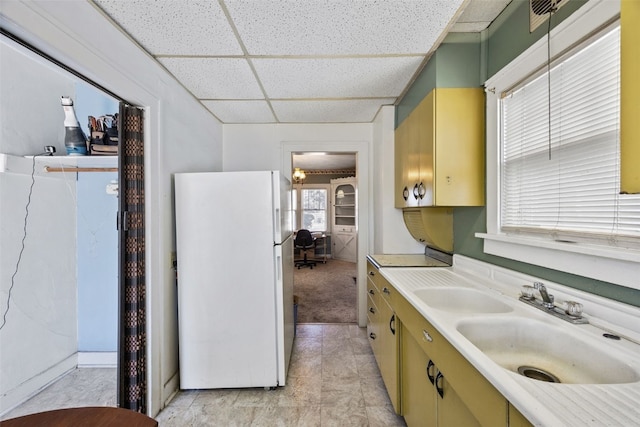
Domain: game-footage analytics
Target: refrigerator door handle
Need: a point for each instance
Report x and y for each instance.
(279, 267)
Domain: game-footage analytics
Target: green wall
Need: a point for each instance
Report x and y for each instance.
(466, 60)
(454, 64)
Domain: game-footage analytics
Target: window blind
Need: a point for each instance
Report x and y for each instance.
(564, 184)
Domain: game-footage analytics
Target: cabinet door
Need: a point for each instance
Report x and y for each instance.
(516, 419)
(413, 158)
(344, 246)
(401, 154)
(388, 361)
(452, 411)
(418, 396)
(459, 147)
(424, 146)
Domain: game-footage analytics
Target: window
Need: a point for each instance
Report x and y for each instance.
(554, 202)
(563, 183)
(314, 204)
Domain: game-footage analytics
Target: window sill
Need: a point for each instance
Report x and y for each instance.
(618, 266)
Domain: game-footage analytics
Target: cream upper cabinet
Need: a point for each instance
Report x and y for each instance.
(439, 151)
(629, 94)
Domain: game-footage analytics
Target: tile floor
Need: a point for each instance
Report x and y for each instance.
(333, 381)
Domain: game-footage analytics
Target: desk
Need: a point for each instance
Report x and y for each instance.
(321, 237)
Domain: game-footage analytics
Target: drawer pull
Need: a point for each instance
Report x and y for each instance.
(371, 292)
(426, 336)
(392, 324)
(372, 273)
(386, 291)
(372, 310)
(372, 336)
(439, 379)
(430, 367)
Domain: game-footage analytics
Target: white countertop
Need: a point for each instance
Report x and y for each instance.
(405, 260)
(542, 403)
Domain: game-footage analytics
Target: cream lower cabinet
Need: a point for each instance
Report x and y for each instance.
(383, 336)
(428, 381)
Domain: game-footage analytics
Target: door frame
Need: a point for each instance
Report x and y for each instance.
(365, 200)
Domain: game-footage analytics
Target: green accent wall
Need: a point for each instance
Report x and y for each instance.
(466, 60)
(454, 64)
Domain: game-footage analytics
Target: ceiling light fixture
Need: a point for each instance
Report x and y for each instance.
(299, 176)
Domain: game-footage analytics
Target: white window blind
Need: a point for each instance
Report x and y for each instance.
(564, 184)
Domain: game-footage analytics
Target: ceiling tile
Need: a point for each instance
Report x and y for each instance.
(241, 111)
(215, 78)
(311, 27)
(335, 78)
(175, 27)
(350, 111)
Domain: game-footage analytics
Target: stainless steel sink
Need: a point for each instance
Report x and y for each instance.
(462, 300)
(543, 351)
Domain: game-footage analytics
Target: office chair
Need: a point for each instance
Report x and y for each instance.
(304, 241)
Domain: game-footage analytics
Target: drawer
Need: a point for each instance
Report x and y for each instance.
(422, 331)
(381, 284)
(372, 291)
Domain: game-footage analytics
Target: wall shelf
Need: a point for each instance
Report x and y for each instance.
(23, 165)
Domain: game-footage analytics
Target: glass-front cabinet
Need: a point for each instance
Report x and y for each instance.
(344, 214)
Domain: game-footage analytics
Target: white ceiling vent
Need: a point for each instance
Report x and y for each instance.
(539, 11)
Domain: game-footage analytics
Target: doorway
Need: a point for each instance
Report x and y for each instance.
(326, 292)
(67, 277)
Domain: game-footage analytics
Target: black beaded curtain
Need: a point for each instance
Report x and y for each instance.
(132, 357)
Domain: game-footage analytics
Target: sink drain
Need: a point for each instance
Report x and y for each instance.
(537, 374)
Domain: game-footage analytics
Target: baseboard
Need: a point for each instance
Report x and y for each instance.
(34, 385)
(171, 388)
(98, 359)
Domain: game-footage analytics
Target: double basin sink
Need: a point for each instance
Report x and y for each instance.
(536, 349)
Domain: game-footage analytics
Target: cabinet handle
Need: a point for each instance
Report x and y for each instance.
(415, 191)
(426, 336)
(372, 273)
(421, 191)
(405, 193)
(372, 310)
(386, 291)
(430, 367)
(392, 324)
(439, 379)
(372, 336)
(371, 292)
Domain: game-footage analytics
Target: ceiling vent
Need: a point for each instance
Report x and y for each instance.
(539, 11)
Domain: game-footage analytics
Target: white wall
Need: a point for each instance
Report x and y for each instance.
(180, 135)
(260, 147)
(38, 341)
(389, 235)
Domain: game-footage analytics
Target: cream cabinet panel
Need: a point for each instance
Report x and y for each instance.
(418, 395)
(382, 322)
(629, 95)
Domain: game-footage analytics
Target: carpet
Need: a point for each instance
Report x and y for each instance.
(327, 293)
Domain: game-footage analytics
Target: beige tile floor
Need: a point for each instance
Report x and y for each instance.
(333, 380)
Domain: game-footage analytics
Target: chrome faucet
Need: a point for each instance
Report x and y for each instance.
(547, 300)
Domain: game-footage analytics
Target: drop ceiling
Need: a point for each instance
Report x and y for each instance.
(305, 61)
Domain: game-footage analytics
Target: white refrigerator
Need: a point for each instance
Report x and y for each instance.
(235, 278)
